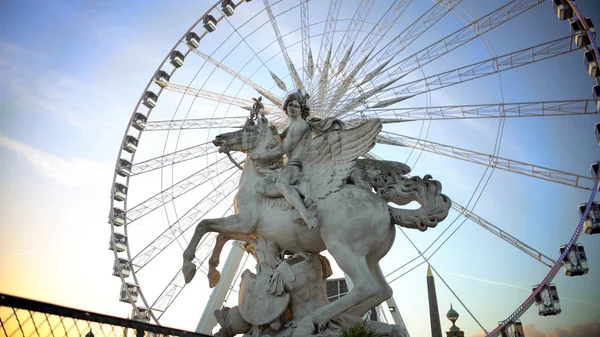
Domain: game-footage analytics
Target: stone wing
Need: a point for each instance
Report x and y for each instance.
(331, 157)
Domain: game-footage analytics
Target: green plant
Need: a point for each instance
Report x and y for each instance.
(360, 329)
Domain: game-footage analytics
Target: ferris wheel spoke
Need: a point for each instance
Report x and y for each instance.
(323, 80)
(198, 123)
(286, 56)
(353, 103)
(346, 45)
(307, 58)
(382, 27)
(498, 110)
(267, 94)
(531, 170)
(414, 30)
(328, 31)
(180, 188)
(343, 87)
(484, 68)
(460, 37)
(172, 290)
(168, 295)
(350, 34)
(185, 222)
(173, 158)
(504, 235)
(213, 96)
(177, 283)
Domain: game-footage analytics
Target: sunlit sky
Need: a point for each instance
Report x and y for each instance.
(74, 70)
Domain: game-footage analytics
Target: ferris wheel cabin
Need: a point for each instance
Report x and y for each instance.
(192, 40)
(162, 78)
(210, 23)
(575, 262)
(139, 121)
(563, 9)
(150, 99)
(121, 267)
(590, 63)
(119, 192)
(117, 217)
(591, 224)
(141, 315)
(131, 289)
(228, 7)
(120, 243)
(130, 144)
(581, 37)
(177, 58)
(547, 300)
(124, 167)
(596, 94)
(513, 329)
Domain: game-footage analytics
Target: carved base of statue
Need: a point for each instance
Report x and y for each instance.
(279, 299)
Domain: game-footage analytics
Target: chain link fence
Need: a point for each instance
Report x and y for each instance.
(21, 317)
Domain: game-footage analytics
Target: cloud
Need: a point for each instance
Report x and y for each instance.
(58, 95)
(35, 85)
(487, 281)
(71, 172)
(586, 329)
(518, 287)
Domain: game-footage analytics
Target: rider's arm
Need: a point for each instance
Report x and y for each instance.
(283, 134)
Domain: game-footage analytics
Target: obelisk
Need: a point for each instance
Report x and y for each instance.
(434, 313)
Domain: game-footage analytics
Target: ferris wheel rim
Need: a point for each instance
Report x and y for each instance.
(135, 110)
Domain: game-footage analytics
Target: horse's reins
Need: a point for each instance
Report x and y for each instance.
(233, 161)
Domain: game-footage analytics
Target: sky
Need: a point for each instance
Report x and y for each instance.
(74, 70)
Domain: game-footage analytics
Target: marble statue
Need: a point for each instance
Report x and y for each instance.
(321, 198)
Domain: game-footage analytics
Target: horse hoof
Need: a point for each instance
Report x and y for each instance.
(189, 271)
(213, 278)
(304, 328)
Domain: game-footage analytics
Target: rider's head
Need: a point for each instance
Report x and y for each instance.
(301, 99)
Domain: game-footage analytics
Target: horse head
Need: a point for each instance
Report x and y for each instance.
(251, 137)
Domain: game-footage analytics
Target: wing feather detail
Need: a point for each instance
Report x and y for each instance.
(331, 157)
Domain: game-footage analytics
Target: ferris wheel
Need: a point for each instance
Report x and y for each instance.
(437, 74)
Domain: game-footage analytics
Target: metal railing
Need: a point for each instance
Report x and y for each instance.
(23, 317)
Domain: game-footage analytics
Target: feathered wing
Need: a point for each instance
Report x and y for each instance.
(331, 157)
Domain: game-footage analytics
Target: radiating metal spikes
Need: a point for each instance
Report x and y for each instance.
(278, 81)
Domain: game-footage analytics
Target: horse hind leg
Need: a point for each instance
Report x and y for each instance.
(365, 286)
(383, 293)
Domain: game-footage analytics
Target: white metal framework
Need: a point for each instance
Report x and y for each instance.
(357, 62)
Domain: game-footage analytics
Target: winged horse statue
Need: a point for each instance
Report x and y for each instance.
(349, 200)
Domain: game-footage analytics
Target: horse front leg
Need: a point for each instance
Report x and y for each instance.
(227, 225)
(213, 274)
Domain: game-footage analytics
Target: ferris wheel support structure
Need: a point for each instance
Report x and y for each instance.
(208, 321)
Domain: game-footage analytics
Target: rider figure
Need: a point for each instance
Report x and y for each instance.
(296, 138)
(257, 107)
